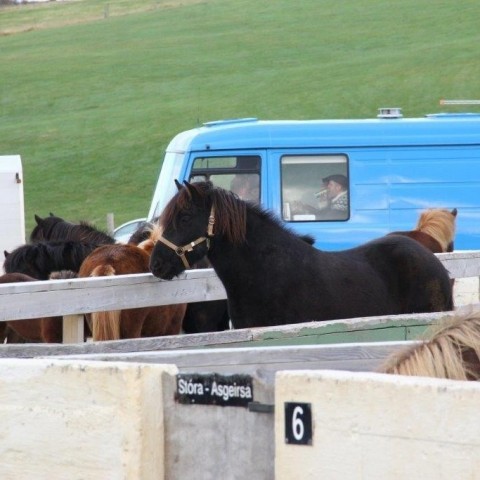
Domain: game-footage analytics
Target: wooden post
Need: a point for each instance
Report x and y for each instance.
(73, 329)
(110, 223)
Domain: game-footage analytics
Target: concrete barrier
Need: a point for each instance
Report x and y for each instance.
(373, 427)
(88, 419)
(82, 420)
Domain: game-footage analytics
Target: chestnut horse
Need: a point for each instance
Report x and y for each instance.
(48, 329)
(121, 259)
(435, 230)
(452, 350)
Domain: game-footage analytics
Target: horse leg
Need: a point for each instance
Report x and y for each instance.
(164, 320)
(3, 331)
(132, 321)
(27, 329)
(51, 329)
(203, 317)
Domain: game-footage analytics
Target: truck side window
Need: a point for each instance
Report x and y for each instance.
(240, 174)
(315, 188)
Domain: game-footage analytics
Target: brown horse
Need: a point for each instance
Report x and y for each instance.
(48, 329)
(121, 259)
(435, 230)
(452, 351)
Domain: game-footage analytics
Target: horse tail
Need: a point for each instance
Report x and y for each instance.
(105, 325)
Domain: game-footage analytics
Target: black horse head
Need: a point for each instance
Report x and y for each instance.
(184, 227)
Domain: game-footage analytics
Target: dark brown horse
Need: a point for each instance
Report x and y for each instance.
(48, 329)
(121, 259)
(272, 276)
(451, 350)
(435, 230)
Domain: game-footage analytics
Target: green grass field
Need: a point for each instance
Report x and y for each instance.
(91, 92)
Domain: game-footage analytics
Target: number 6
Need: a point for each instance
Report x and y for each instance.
(298, 428)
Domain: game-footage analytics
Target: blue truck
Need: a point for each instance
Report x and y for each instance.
(390, 169)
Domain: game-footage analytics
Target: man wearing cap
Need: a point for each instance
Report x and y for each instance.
(337, 193)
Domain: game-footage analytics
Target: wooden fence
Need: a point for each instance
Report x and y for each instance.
(72, 298)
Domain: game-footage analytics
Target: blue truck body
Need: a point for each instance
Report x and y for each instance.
(396, 168)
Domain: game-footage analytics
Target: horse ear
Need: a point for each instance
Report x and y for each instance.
(193, 192)
(38, 219)
(52, 214)
(190, 189)
(454, 212)
(6, 253)
(178, 184)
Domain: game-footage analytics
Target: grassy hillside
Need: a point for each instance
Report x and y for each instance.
(92, 91)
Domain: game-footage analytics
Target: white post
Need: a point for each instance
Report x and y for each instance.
(110, 223)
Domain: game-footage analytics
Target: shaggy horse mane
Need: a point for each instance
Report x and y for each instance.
(439, 223)
(230, 212)
(451, 350)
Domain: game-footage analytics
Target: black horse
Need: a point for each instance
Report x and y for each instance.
(272, 276)
(56, 228)
(40, 259)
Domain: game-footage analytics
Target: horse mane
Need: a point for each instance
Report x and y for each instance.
(229, 210)
(63, 275)
(439, 223)
(452, 351)
(142, 233)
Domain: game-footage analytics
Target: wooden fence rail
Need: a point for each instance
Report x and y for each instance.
(71, 298)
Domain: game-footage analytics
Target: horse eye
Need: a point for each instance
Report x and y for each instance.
(185, 219)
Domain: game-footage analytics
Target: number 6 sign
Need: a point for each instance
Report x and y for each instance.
(298, 423)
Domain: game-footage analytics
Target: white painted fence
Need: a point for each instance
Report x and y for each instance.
(72, 298)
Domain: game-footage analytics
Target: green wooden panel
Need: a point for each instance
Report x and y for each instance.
(394, 333)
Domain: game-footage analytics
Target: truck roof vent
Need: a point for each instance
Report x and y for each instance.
(390, 112)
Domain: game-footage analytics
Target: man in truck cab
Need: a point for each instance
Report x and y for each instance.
(336, 187)
(331, 201)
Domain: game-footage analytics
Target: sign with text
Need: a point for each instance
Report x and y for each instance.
(214, 389)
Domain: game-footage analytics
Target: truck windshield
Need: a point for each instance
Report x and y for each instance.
(240, 174)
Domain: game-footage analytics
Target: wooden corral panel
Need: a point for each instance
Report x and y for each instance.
(374, 427)
(264, 361)
(81, 420)
(385, 328)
